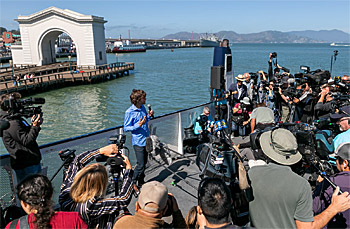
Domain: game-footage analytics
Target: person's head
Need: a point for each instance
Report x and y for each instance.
(246, 77)
(89, 182)
(206, 111)
(276, 71)
(138, 97)
(260, 105)
(35, 193)
(281, 146)
(342, 118)
(214, 200)
(345, 79)
(271, 83)
(240, 78)
(4, 99)
(153, 199)
(343, 156)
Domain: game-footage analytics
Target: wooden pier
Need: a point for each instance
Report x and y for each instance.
(58, 75)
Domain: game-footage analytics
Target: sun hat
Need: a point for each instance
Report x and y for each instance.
(245, 100)
(240, 77)
(343, 151)
(281, 146)
(343, 112)
(153, 192)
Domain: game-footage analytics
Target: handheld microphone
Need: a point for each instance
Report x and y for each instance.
(149, 109)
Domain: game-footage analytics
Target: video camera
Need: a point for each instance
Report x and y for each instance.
(116, 162)
(23, 107)
(274, 55)
(315, 145)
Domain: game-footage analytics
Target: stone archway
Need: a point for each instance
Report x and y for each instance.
(40, 30)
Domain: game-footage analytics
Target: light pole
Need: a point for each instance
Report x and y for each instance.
(13, 74)
(70, 66)
(116, 57)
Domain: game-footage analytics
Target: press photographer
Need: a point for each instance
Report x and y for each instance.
(84, 188)
(20, 137)
(343, 120)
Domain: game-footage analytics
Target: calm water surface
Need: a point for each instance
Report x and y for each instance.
(172, 80)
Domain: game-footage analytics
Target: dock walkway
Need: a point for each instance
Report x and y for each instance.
(58, 75)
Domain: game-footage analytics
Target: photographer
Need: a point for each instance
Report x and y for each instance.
(323, 192)
(343, 120)
(324, 105)
(84, 187)
(303, 104)
(238, 90)
(209, 125)
(153, 204)
(220, 99)
(283, 199)
(20, 139)
(240, 116)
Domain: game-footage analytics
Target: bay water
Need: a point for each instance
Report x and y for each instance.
(173, 80)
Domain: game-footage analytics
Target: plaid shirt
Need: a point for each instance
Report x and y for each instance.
(96, 212)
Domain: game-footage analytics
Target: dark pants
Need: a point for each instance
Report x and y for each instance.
(22, 173)
(141, 158)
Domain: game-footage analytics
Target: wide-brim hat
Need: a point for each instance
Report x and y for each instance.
(245, 100)
(281, 146)
(240, 77)
(343, 112)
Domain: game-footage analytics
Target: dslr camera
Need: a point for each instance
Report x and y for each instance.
(274, 55)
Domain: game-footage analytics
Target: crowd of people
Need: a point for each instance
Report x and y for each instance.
(280, 198)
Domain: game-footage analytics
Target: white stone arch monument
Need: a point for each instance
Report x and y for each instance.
(40, 30)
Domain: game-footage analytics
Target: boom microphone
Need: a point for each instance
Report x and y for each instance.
(149, 109)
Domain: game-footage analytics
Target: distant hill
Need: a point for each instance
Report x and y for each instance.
(323, 36)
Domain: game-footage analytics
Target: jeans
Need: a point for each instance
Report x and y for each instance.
(141, 158)
(22, 173)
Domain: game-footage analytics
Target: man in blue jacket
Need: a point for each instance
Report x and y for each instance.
(136, 121)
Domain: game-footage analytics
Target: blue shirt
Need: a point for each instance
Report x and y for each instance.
(220, 94)
(341, 138)
(131, 123)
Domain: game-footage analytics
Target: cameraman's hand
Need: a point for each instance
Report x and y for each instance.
(150, 113)
(173, 202)
(143, 121)
(110, 150)
(235, 92)
(38, 121)
(127, 162)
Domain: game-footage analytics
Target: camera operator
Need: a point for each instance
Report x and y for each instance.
(220, 99)
(84, 187)
(261, 93)
(261, 117)
(136, 120)
(153, 204)
(343, 120)
(20, 139)
(324, 105)
(238, 90)
(249, 83)
(283, 199)
(240, 116)
(303, 104)
(209, 124)
(284, 101)
(323, 192)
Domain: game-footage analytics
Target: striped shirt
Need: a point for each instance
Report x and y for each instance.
(97, 212)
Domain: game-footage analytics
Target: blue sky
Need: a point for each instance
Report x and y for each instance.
(155, 19)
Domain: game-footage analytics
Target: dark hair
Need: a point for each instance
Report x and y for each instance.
(136, 96)
(214, 198)
(36, 190)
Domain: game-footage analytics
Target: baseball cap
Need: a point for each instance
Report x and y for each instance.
(281, 146)
(153, 192)
(343, 151)
(343, 112)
